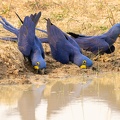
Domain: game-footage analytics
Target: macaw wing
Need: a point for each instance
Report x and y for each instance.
(93, 44)
(32, 16)
(60, 47)
(54, 33)
(39, 44)
(35, 17)
(73, 42)
(57, 35)
(26, 36)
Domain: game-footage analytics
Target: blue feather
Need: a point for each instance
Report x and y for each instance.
(99, 44)
(63, 48)
(29, 45)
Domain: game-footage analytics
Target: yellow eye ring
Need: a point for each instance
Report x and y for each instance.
(84, 62)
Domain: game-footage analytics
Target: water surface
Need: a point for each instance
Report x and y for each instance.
(95, 97)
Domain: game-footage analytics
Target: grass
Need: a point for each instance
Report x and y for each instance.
(5, 7)
(89, 17)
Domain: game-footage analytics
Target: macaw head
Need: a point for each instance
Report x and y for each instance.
(39, 67)
(84, 65)
(82, 61)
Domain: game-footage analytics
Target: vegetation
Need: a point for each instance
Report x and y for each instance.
(81, 16)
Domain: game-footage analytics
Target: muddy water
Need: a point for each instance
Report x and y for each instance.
(95, 97)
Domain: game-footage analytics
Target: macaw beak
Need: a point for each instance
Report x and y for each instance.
(38, 70)
(83, 66)
(36, 67)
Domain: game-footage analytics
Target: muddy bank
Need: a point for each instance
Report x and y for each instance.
(15, 70)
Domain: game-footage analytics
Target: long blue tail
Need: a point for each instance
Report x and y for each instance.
(9, 39)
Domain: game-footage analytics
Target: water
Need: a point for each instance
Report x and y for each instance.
(95, 97)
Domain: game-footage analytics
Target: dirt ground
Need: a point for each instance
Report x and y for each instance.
(15, 70)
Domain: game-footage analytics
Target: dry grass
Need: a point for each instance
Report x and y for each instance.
(85, 16)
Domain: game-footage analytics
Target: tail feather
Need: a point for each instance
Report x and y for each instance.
(9, 39)
(19, 18)
(44, 40)
(35, 17)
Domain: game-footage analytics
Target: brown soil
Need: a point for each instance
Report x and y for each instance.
(15, 70)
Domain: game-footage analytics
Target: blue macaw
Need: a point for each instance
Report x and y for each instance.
(64, 49)
(29, 45)
(98, 44)
(14, 30)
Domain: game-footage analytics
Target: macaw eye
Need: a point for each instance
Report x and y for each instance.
(84, 61)
(37, 63)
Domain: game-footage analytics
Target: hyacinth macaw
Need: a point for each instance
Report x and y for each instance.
(64, 49)
(29, 45)
(14, 30)
(100, 44)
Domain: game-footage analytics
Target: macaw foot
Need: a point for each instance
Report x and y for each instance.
(8, 26)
